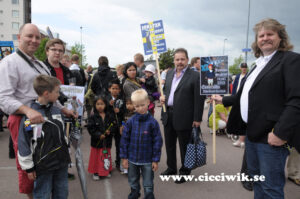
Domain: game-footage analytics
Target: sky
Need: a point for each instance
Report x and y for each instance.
(204, 27)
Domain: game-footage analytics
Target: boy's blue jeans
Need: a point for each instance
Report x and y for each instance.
(53, 183)
(134, 172)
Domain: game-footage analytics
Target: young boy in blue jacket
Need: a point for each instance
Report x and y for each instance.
(141, 144)
(42, 148)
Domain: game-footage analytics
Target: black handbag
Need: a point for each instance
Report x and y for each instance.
(196, 150)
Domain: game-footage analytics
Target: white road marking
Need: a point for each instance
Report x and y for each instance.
(108, 191)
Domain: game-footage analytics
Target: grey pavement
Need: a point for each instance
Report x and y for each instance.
(229, 160)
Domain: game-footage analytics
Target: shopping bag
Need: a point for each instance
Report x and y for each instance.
(196, 151)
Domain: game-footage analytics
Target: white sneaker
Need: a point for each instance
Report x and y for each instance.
(125, 171)
(239, 144)
(96, 177)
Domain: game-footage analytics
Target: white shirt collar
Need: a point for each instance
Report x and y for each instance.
(264, 59)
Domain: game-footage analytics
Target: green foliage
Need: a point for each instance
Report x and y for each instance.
(166, 59)
(41, 53)
(76, 49)
(235, 67)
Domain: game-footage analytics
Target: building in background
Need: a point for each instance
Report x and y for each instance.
(13, 14)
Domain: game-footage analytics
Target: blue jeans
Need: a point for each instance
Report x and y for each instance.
(267, 160)
(53, 183)
(134, 172)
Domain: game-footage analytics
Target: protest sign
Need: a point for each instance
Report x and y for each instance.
(154, 42)
(153, 37)
(214, 75)
(75, 96)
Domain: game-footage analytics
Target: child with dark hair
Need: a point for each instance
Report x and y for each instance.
(117, 107)
(100, 126)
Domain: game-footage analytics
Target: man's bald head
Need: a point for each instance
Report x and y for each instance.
(29, 38)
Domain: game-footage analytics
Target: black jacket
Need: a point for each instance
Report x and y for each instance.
(150, 85)
(66, 72)
(101, 79)
(274, 102)
(188, 104)
(97, 127)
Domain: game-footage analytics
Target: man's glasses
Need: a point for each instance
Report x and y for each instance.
(56, 50)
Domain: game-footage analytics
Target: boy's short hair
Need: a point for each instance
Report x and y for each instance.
(139, 95)
(44, 83)
(114, 81)
(75, 57)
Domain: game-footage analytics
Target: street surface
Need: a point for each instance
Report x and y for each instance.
(229, 160)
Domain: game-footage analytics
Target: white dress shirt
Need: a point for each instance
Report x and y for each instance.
(261, 62)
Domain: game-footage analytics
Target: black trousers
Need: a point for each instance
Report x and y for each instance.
(171, 136)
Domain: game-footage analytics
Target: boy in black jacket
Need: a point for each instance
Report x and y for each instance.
(117, 107)
(43, 150)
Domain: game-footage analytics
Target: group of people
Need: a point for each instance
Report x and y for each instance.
(264, 109)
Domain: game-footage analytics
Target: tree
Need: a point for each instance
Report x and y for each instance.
(76, 49)
(235, 67)
(166, 59)
(41, 53)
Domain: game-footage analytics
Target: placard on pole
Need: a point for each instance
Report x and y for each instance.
(214, 80)
(154, 42)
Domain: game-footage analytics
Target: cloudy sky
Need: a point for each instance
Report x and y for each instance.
(112, 27)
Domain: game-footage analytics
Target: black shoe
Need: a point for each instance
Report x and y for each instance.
(134, 194)
(182, 180)
(71, 176)
(1, 129)
(169, 172)
(248, 185)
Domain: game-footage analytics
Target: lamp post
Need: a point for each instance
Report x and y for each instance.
(81, 44)
(246, 52)
(224, 46)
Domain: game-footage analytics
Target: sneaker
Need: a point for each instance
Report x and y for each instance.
(239, 144)
(96, 177)
(109, 176)
(125, 171)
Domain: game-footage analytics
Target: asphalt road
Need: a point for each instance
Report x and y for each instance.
(229, 160)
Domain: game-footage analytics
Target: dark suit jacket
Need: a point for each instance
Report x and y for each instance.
(274, 102)
(188, 104)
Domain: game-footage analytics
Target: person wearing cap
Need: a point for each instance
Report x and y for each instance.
(239, 77)
(149, 80)
(149, 83)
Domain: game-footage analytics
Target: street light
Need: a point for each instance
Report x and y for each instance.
(81, 44)
(246, 51)
(224, 46)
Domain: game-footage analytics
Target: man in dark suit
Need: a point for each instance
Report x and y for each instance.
(184, 110)
(267, 108)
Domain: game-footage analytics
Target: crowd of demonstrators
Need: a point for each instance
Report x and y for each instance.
(42, 150)
(141, 154)
(101, 126)
(266, 108)
(265, 103)
(18, 72)
(182, 86)
(78, 72)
